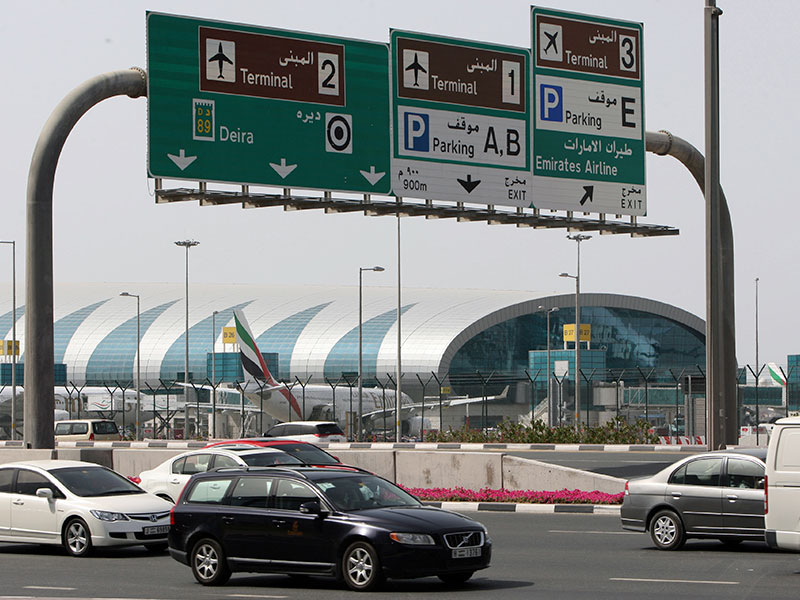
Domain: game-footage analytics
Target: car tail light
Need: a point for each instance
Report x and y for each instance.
(134, 479)
(627, 491)
(91, 437)
(766, 494)
(321, 435)
(172, 515)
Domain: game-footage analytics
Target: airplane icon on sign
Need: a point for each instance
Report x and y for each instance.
(417, 68)
(552, 42)
(220, 58)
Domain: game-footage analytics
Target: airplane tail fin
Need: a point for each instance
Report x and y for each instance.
(253, 362)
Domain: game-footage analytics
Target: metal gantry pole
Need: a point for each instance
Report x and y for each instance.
(398, 392)
(213, 432)
(13, 244)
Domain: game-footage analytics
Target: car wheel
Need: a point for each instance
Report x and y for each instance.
(77, 538)
(361, 567)
(157, 548)
(208, 563)
(456, 578)
(666, 531)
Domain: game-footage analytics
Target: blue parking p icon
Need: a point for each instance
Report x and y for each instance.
(417, 137)
(550, 102)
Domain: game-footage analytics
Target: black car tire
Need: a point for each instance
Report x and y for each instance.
(361, 567)
(208, 563)
(666, 530)
(456, 578)
(77, 538)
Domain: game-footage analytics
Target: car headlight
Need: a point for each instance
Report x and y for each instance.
(413, 539)
(105, 515)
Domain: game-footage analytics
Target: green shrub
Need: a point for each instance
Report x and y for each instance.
(616, 431)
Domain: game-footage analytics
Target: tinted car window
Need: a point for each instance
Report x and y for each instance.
(79, 428)
(94, 482)
(276, 431)
(6, 477)
(177, 466)
(196, 463)
(745, 473)
(62, 428)
(309, 454)
(291, 494)
(679, 476)
(358, 492)
(209, 491)
(329, 429)
(252, 492)
(703, 471)
(105, 427)
(28, 482)
(267, 459)
(224, 461)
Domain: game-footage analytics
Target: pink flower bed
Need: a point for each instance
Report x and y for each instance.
(517, 496)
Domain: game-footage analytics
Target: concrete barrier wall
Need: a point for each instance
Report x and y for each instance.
(526, 474)
(473, 470)
(411, 468)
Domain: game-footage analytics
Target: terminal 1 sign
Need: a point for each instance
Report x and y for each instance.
(250, 105)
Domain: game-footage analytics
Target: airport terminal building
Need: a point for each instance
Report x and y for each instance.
(454, 341)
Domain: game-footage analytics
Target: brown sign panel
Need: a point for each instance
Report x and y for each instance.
(268, 66)
(587, 47)
(460, 75)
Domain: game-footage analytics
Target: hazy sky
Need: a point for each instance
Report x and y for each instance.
(108, 228)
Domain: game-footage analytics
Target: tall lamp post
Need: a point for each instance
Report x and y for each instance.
(13, 244)
(549, 370)
(138, 368)
(579, 237)
(758, 370)
(213, 432)
(360, 358)
(187, 244)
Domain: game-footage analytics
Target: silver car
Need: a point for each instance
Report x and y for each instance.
(713, 495)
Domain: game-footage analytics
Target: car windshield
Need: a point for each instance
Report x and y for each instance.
(361, 492)
(95, 481)
(266, 459)
(308, 454)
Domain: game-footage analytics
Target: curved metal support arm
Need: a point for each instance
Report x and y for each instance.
(39, 380)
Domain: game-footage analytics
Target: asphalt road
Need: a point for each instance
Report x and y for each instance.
(535, 556)
(625, 465)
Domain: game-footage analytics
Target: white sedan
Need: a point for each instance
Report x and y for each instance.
(79, 505)
(168, 479)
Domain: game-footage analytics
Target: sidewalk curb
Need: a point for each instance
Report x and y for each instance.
(597, 509)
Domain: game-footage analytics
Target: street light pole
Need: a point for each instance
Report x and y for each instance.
(579, 237)
(187, 244)
(758, 370)
(360, 355)
(550, 419)
(213, 432)
(138, 370)
(13, 336)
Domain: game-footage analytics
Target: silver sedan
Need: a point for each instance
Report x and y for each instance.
(713, 495)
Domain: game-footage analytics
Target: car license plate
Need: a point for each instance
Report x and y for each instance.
(159, 529)
(466, 552)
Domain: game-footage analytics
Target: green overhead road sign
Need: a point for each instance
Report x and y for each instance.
(249, 105)
(589, 136)
(461, 120)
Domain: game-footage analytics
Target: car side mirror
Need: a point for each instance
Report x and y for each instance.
(313, 507)
(45, 493)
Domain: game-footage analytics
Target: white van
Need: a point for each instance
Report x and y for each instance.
(782, 501)
(98, 430)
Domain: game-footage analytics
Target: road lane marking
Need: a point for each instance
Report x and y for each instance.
(595, 532)
(253, 596)
(673, 581)
(47, 587)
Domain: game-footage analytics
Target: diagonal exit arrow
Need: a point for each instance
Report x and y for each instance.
(469, 184)
(588, 193)
(181, 160)
(283, 169)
